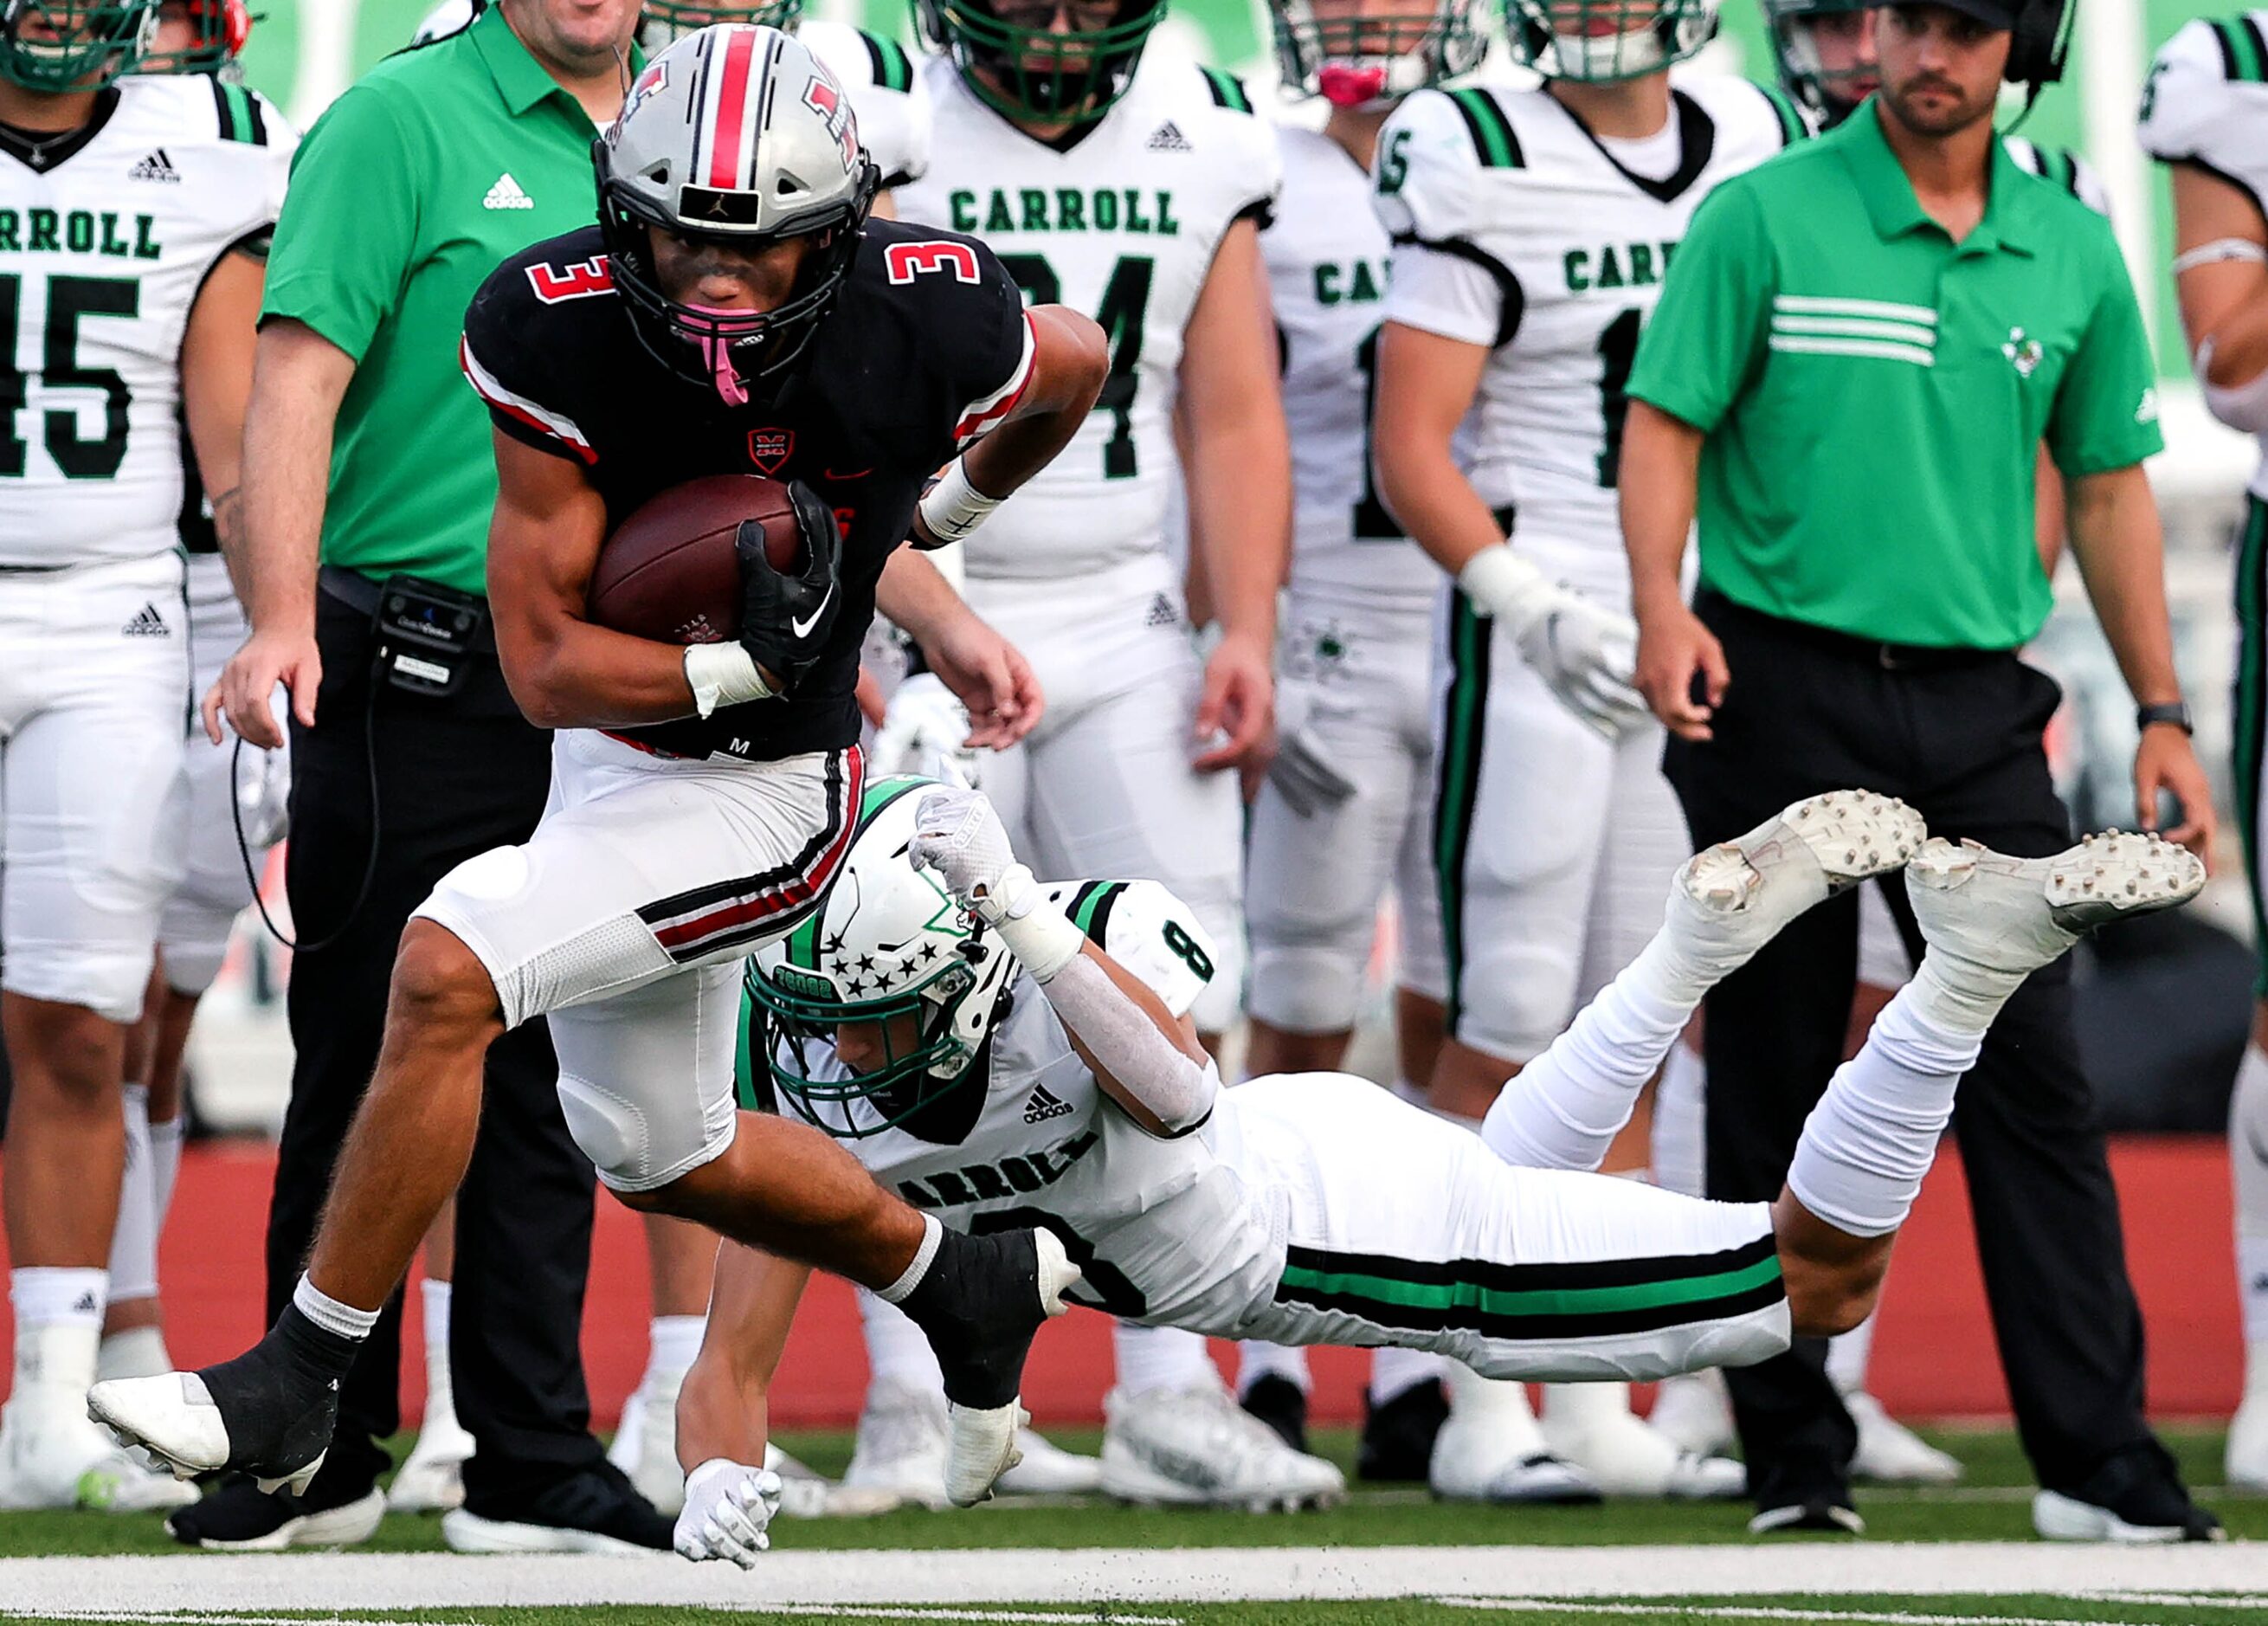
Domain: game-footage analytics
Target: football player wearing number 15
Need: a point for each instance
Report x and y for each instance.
(134, 214)
(1532, 230)
(728, 307)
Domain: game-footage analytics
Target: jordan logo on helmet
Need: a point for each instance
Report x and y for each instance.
(770, 449)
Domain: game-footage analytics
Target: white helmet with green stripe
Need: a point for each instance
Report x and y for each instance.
(1601, 41)
(889, 942)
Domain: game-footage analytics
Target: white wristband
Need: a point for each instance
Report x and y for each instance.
(2218, 250)
(1504, 584)
(1036, 932)
(723, 675)
(953, 507)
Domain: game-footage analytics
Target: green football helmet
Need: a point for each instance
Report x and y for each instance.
(1356, 60)
(664, 22)
(1803, 72)
(73, 44)
(1600, 41)
(1010, 54)
(889, 947)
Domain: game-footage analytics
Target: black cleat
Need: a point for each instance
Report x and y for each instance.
(241, 1518)
(1820, 1514)
(2135, 1496)
(1397, 1437)
(594, 1509)
(1282, 1406)
(269, 1413)
(979, 1302)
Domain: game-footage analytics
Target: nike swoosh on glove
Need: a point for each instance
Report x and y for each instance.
(785, 620)
(728, 1508)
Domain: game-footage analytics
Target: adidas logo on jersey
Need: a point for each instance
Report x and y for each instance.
(1162, 613)
(154, 166)
(505, 193)
(147, 623)
(1167, 138)
(1044, 1105)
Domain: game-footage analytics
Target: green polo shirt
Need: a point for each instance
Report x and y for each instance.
(436, 165)
(1874, 394)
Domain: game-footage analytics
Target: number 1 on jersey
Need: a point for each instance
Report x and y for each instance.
(1617, 355)
(1372, 521)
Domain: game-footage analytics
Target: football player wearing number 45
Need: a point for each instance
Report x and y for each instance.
(134, 219)
(1007, 1052)
(702, 798)
(1532, 230)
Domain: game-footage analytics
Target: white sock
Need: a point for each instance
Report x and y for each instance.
(909, 1278)
(897, 1352)
(328, 1313)
(1875, 1133)
(165, 1161)
(1680, 1149)
(58, 1323)
(134, 1243)
(1497, 1404)
(1160, 1357)
(1573, 1407)
(2248, 1157)
(138, 1352)
(1395, 1371)
(1564, 1109)
(1847, 1355)
(440, 1386)
(672, 1341)
(1257, 1359)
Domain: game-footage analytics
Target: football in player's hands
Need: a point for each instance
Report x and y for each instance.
(671, 571)
(787, 612)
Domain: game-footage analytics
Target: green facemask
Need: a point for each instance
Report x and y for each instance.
(1029, 71)
(84, 44)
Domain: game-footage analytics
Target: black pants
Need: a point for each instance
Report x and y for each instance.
(1808, 713)
(454, 778)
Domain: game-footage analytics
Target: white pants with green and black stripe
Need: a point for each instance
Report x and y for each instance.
(1401, 1229)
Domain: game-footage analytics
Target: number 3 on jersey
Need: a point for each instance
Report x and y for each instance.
(1125, 303)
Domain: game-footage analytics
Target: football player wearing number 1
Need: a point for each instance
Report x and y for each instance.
(1532, 229)
(132, 212)
(730, 307)
(1133, 188)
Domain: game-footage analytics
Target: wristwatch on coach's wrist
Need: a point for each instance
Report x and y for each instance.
(2174, 711)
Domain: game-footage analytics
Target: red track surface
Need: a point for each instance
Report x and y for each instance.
(1934, 1356)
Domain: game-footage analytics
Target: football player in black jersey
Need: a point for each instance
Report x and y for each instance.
(735, 311)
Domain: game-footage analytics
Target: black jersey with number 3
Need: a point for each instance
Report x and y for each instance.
(926, 348)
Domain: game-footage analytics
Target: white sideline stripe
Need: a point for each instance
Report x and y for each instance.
(883, 1612)
(1822, 305)
(1737, 1612)
(144, 1617)
(258, 1583)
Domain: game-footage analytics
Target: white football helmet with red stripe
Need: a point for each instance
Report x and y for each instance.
(736, 133)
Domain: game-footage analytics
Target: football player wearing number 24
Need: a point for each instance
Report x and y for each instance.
(702, 798)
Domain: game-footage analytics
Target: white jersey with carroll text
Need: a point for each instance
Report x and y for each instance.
(102, 254)
(1123, 225)
(1516, 228)
(2205, 103)
(1161, 1225)
(1328, 258)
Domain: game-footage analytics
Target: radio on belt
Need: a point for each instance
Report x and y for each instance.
(425, 631)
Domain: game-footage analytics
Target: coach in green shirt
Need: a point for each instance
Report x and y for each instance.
(366, 453)
(1860, 352)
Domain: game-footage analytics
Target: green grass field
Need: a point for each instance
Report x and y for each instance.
(2043, 1583)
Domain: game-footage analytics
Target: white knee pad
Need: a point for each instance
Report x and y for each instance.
(109, 981)
(629, 1151)
(193, 933)
(1307, 987)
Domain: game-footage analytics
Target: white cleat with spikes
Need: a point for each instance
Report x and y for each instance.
(1998, 917)
(1732, 900)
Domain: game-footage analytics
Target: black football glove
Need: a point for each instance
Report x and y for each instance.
(785, 620)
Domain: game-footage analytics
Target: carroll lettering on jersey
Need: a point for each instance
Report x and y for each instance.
(1360, 282)
(1067, 209)
(78, 231)
(555, 284)
(1624, 265)
(989, 1182)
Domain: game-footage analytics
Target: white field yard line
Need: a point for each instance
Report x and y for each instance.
(1758, 1612)
(253, 1583)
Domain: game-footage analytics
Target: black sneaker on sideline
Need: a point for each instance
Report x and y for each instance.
(1397, 1437)
(1818, 1515)
(1282, 1406)
(241, 1518)
(594, 1509)
(2137, 1496)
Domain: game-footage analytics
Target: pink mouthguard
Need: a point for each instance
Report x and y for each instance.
(717, 350)
(1344, 86)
